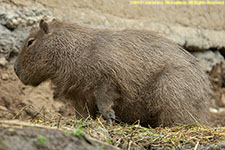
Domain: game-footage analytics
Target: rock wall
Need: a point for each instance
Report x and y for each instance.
(193, 26)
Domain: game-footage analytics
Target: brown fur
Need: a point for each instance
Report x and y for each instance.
(130, 74)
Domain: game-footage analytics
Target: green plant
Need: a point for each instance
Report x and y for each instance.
(78, 131)
(42, 140)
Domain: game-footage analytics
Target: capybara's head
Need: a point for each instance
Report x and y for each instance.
(31, 63)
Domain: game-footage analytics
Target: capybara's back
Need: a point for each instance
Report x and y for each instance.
(129, 74)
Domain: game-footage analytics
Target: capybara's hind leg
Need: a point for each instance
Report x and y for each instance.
(179, 103)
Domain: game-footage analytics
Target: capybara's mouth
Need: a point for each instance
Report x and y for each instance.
(31, 83)
(26, 82)
(23, 80)
(35, 84)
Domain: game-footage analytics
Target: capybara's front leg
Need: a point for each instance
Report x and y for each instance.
(104, 100)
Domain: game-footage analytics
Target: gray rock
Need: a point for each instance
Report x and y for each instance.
(196, 39)
(208, 59)
(12, 16)
(20, 136)
(6, 40)
(15, 23)
(11, 42)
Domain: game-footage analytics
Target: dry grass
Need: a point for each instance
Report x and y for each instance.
(129, 137)
(192, 136)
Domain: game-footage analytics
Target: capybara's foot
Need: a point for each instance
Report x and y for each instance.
(109, 116)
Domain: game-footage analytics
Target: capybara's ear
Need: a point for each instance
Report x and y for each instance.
(44, 26)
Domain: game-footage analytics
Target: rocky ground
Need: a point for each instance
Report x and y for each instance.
(201, 30)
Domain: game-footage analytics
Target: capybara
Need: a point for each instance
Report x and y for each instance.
(126, 74)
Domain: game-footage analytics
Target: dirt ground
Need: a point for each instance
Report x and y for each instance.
(24, 102)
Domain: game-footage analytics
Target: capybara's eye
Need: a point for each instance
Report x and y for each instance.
(30, 42)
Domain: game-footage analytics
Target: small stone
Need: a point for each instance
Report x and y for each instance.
(5, 76)
(3, 61)
(3, 108)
